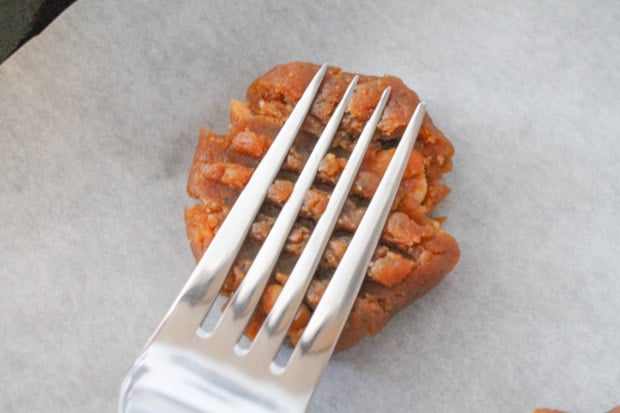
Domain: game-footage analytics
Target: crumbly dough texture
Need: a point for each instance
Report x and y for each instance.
(414, 253)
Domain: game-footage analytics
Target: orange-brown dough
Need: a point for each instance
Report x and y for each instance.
(414, 253)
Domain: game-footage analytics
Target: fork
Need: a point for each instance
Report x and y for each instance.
(187, 367)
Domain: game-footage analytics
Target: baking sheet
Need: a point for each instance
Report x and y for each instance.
(99, 117)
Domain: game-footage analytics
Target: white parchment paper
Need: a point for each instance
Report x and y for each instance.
(99, 118)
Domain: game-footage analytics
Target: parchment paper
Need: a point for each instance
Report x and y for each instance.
(99, 118)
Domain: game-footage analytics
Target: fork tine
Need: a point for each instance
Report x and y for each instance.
(320, 336)
(199, 293)
(273, 330)
(237, 314)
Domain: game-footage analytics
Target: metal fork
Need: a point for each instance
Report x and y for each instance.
(187, 368)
